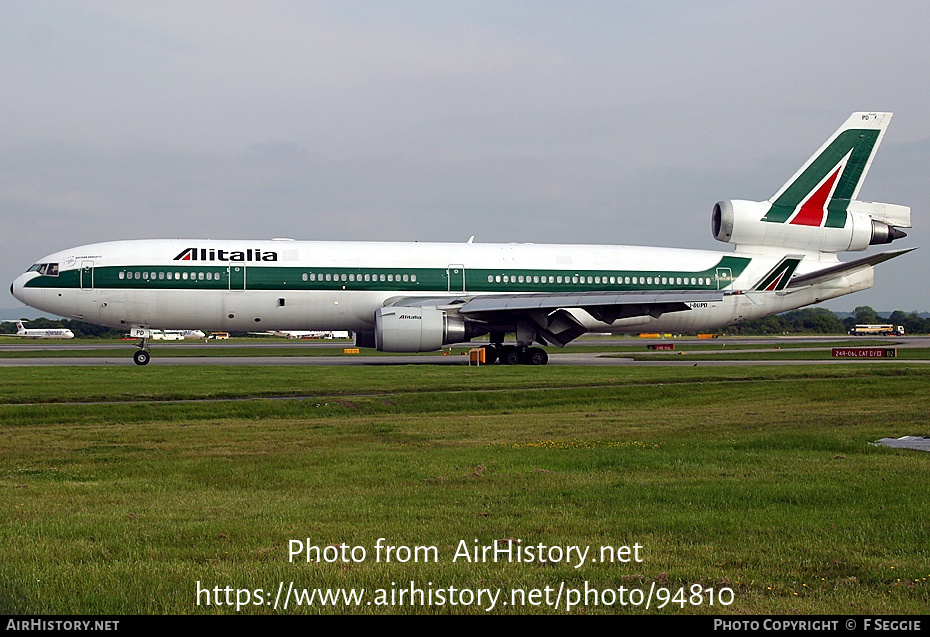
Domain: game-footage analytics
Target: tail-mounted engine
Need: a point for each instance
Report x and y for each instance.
(856, 226)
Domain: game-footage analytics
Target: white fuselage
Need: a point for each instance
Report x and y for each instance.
(308, 285)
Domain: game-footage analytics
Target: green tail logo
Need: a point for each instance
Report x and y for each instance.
(820, 193)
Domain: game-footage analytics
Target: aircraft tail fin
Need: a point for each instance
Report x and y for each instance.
(817, 210)
(20, 329)
(833, 176)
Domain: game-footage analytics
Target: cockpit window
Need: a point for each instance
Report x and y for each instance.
(48, 269)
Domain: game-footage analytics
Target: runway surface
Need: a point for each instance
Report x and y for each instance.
(122, 353)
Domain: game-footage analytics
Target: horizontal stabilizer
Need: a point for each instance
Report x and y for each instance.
(842, 269)
(889, 213)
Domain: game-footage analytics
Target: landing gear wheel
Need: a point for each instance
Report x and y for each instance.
(536, 356)
(142, 357)
(490, 354)
(510, 355)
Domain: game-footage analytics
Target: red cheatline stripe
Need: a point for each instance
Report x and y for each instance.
(812, 211)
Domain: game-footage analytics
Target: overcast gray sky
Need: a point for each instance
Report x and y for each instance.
(537, 121)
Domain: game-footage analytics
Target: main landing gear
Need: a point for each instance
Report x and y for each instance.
(514, 354)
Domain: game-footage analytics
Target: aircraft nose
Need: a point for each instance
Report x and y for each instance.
(16, 288)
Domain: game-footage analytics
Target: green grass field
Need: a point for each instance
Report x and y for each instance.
(123, 488)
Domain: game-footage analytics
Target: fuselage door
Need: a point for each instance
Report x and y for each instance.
(87, 275)
(724, 277)
(455, 275)
(236, 274)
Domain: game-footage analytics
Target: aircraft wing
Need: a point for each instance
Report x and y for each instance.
(601, 305)
(604, 306)
(548, 310)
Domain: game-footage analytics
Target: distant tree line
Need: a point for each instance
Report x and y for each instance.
(810, 320)
(818, 320)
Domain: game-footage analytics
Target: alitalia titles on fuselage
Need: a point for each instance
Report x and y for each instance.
(215, 254)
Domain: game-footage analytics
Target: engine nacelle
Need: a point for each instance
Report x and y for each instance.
(745, 223)
(418, 329)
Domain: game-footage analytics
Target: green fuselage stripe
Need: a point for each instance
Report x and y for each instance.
(287, 278)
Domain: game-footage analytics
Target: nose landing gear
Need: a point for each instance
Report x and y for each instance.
(141, 357)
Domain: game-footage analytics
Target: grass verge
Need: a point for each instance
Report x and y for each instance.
(756, 480)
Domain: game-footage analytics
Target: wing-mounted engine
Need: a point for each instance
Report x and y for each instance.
(759, 223)
(421, 329)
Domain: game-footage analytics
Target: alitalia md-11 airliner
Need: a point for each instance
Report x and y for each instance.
(417, 297)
